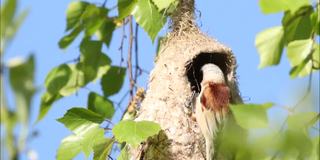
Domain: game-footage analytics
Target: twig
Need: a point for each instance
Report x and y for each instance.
(73, 60)
(121, 43)
(107, 126)
(141, 70)
(110, 157)
(137, 67)
(129, 61)
(121, 100)
(109, 121)
(104, 3)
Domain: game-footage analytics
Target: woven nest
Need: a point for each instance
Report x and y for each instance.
(196, 48)
(174, 79)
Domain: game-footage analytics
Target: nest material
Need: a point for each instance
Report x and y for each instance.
(183, 19)
(172, 83)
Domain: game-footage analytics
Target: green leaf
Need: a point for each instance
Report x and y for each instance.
(316, 147)
(82, 15)
(296, 144)
(64, 80)
(104, 33)
(102, 149)
(302, 70)
(124, 155)
(133, 132)
(84, 141)
(93, 62)
(67, 79)
(11, 30)
(87, 133)
(69, 147)
(232, 139)
(46, 101)
(318, 19)
(100, 105)
(159, 41)
(8, 122)
(66, 40)
(148, 17)
(93, 71)
(161, 4)
(316, 56)
(251, 115)
(302, 120)
(78, 119)
(103, 65)
(314, 17)
(299, 50)
(93, 17)
(299, 25)
(125, 7)
(8, 9)
(8, 25)
(74, 13)
(112, 81)
(57, 78)
(21, 74)
(3, 104)
(76, 81)
(274, 6)
(89, 46)
(270, 45)
(17, 23)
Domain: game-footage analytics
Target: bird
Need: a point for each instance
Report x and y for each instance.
(212, 105)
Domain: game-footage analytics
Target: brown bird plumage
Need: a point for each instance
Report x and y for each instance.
(215, 97)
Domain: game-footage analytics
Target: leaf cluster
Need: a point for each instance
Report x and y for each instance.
(18, 73)
(298, 34)
(249, 135)
(86, 123)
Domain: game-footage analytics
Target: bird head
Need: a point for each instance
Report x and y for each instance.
(212, 73)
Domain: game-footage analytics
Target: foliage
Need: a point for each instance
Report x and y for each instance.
(240, 138)
(298, 33)
(248, 134)
(93, 25)
(133, 132)
(92, 65)
(257, 118)
(10, 23)
(20, 72)
(84, 124)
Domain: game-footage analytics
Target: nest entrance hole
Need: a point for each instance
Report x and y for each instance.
(193, 67)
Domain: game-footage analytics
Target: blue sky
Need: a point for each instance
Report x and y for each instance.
(234, 23)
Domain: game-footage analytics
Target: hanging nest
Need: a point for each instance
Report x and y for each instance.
(195, 49)
(172, 84)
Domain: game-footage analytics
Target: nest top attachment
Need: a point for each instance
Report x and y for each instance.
(183, 19)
